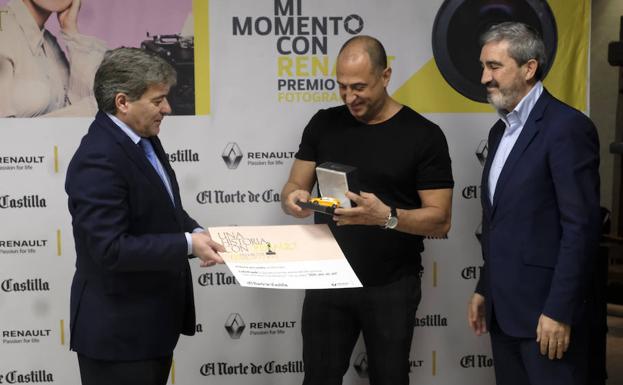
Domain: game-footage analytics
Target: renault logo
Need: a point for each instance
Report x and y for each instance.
(361, 365)
(232, 155)
(234, 325)
(482, 151)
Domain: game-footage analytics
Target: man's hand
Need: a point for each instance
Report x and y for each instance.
(369, 211)
(476, 314)
(292, 208)
(68, 18)
(206, 249)
(553, 337)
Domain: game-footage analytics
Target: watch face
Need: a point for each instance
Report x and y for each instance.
(392, 222)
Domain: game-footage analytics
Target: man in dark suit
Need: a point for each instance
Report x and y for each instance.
(540, 198)
(131, 295)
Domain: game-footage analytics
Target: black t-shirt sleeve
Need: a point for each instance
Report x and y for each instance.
(309, 141)
(434, 170)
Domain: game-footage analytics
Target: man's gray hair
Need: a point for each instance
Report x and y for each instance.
(524, 43)
(130, 71)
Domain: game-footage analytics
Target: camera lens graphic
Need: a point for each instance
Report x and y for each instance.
(459, 25)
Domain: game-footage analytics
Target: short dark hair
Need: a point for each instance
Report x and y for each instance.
(130, 71)
(373, 47)
(524, 43)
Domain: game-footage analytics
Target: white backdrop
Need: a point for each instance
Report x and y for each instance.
(259, 123)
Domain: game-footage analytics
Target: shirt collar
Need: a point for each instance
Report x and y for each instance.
(32, 32)
(522, 110)
(125, 128)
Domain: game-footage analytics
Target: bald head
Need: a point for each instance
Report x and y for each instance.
(363, 75)
(360, 45)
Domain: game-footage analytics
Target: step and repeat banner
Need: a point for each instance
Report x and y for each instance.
(251, 74)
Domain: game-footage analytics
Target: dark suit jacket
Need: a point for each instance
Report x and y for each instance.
(543, 225)
(131, 294)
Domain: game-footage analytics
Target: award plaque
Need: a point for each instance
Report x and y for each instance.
(334, 180)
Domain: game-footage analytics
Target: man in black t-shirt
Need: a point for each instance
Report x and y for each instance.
(406, 185)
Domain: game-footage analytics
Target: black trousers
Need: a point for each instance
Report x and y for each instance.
(149, 372)
(518, 361)
(333, 319)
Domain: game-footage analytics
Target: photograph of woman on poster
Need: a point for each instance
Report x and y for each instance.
(37, 77)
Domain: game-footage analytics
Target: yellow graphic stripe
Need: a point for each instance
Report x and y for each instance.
(1, 16)
(434, 370)
(56, 159)
(568, 77)
(428, 92)
(434, 274)
(62, 332)
(59, 249)
(202, 56)
(173, 372)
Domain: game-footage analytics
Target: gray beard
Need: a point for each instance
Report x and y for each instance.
(504, 102)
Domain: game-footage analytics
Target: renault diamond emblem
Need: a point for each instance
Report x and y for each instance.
(234, 325)
(361, 365)
(232, 155)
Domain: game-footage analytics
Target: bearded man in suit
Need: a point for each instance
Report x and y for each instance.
(540, 199)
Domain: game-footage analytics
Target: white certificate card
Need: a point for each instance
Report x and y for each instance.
(285, 257)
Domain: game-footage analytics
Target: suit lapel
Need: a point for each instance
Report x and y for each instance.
(529, 131)
(136, 154)
(494, 140)
(162, 156)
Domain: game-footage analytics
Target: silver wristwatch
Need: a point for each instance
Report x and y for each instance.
(392, 219)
